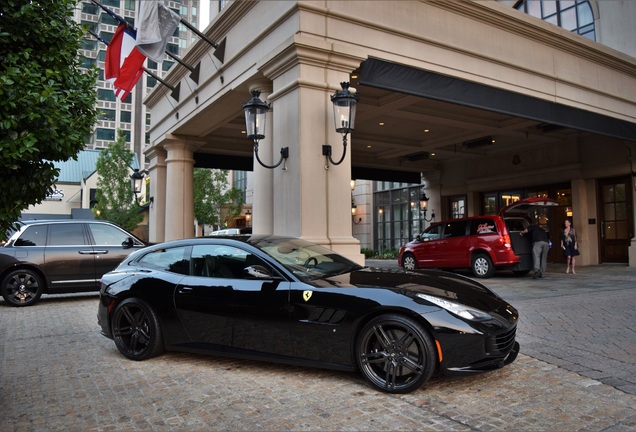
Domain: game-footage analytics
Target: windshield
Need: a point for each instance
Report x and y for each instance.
(306, 260)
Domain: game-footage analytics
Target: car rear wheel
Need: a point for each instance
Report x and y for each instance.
(482, 266)
(136, 330)
(22, 288)
(409, 262)
(395, 354)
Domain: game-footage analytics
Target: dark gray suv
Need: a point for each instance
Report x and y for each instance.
(60, 256)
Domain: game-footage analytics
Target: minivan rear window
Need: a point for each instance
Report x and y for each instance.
(482, 226)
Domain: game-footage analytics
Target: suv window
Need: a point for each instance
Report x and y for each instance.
(455, 229)
(482, 226)
(34, 235)
(106, 235)
(71, 234)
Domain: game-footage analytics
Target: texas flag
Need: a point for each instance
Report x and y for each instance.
(124, 62)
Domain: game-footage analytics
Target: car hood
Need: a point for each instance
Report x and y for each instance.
(445, 285)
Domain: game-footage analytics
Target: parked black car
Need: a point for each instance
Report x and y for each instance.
(60, 256)
(291, 301)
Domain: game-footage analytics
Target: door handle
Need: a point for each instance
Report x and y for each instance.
(101, 252)
(87, 252)
(185, 290)
(602, 229)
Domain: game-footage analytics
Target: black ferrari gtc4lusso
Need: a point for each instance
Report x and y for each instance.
(291, 301)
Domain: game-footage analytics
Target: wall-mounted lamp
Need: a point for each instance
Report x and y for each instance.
(136, 184)
(248, 217)
(255, 117)
(136, 181)
(344, 112)
(354, 211)
(424, 207)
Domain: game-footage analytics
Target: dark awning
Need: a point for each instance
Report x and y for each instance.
(418, 82)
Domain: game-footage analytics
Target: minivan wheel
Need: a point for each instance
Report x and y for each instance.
(482, 266)
(409, 262)
(22, 288)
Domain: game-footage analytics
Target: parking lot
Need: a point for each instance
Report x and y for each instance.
(576, 371)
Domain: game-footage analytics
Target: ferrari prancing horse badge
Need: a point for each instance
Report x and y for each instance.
(307, 295)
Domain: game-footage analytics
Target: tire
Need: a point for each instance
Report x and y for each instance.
(482, 266)
(409, 262)
(136, 330)
(395, 354)
(22, 287)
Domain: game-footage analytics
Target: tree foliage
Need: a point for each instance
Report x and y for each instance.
(47, 102)
(114, 195)
(213, 198)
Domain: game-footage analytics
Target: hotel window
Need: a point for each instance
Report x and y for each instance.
(573, 15)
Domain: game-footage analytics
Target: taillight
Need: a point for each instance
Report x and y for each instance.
(505, 239)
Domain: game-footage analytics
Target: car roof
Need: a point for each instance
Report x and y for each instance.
(40, 221)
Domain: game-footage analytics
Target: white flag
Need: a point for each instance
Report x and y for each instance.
(156, 23)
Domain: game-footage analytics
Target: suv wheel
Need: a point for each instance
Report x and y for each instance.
(482, 265)
(22, 288)
(409, 262)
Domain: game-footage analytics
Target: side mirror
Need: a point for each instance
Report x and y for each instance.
(418, 237)
(257, 272)
(128, 243)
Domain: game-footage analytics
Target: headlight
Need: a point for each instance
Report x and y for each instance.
(457, 309)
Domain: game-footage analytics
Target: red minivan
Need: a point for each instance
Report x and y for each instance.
(480, 243)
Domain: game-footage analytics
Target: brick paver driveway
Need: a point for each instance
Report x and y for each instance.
(58, 373)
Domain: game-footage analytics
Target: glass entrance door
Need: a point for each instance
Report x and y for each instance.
(616, 222)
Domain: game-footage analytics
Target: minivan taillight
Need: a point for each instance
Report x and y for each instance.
(505, 239)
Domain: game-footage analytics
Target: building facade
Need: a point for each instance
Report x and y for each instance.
(473, 103)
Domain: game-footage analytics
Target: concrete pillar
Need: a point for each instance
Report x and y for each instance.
(156, 156)
(262, 208)
(179, 221)
(311, 199)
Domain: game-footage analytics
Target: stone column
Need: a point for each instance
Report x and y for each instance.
(179, 221)
(262, 209)
(310, 201)
(156, 156)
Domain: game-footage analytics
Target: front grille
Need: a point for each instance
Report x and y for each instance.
(501, 343)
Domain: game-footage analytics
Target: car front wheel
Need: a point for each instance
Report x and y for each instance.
(482, 266)
(409, 262)
(136, 330)
(22, 288)
(395, 354)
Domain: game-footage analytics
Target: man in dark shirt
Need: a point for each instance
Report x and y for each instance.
(540, 249)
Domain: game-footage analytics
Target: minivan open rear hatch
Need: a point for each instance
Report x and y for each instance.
(525, 206)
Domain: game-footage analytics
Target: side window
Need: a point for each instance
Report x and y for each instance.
(217, 261)
(66, 234)
(220, 261)
(455, 229)
(433, 233)
(482, 226)
(173, 260)
(33, 236)
(107, 235)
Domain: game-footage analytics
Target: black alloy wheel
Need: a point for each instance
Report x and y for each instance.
(395, 353)
(409, 262)
(482, 266)
(136, 330)
(22, 288)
